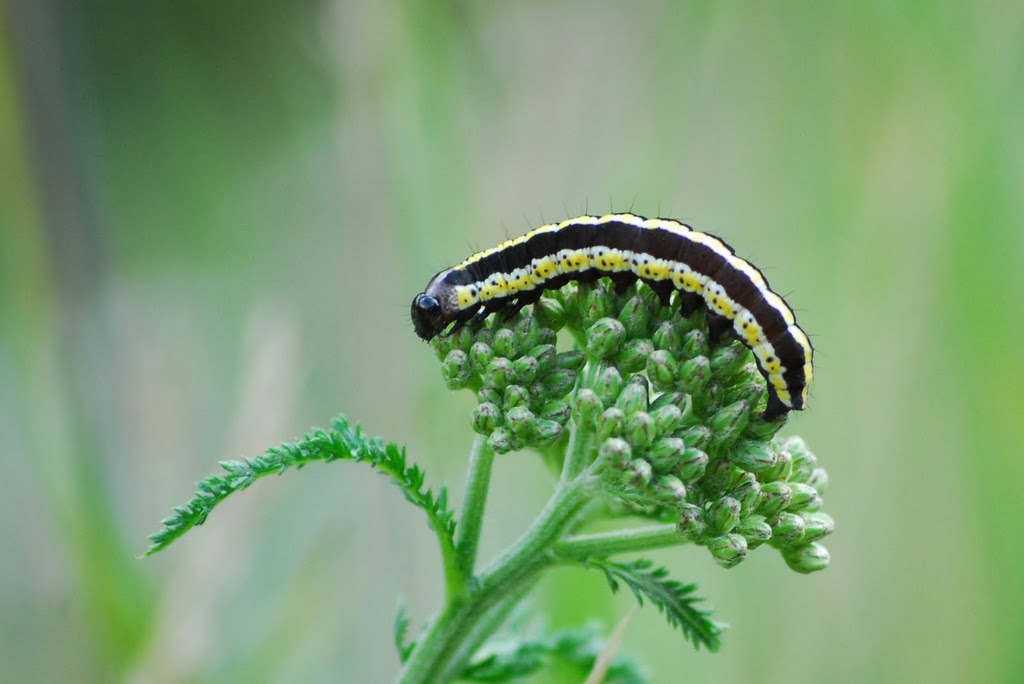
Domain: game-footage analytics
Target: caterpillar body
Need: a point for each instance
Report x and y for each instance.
(663, 253)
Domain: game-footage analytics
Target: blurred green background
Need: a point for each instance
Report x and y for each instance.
(214, 216)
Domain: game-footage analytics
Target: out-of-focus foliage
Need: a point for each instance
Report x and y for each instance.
(198, 199)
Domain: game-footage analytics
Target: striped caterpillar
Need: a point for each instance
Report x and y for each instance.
(665, 254)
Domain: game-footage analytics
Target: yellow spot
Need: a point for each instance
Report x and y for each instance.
(465, 296)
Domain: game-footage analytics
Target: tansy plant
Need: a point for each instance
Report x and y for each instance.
(644, 420)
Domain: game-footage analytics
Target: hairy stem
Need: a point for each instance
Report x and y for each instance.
(603, 544)
(478, 480)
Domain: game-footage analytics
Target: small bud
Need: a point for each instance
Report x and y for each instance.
(611, 423)
(639, 473)
(456, 369)
(782, 469)
(753, 457)
(568, 360)
(693, 465)
(491, 394)
(695, 343)
(515, 395)
(639, 429)
(747, 492)
(520, 421)
(818, 526)
(615, 452)
(666, 418)
(670, 490)
(636, 315)
(755, 530)
(558, 411)
(464, 339)
(557, 384)
(695, 374)
(598, 303)
(726, 360)
(728, 551)
(807, 558)
(804, 464)
(633, 357)
(550, 313)
(662, 369)
(666, 399)
(543, 353)
(525, 369)
(696, 436)
(634, 396)
(547, 432)
(499, 371)
(787, 529)
(588, 407)
(760, 430)
(718, 476)
(750, 392)
(442, 346)
(481, 354)
(608, 385)
(724, 515)
(527, 332)
(504, 343)
(691, 522)
(819, 480)
(501, 440)
(775, 496)
(689, 417)
(728, 423)
(667, 337)
(804, 495)
(666, 454)
(485, 417)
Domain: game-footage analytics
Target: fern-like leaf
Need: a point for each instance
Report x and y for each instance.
(675, 600)
(342, 443)
(399, 632)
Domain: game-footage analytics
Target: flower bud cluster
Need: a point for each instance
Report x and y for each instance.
(676, 415)
(521, 381)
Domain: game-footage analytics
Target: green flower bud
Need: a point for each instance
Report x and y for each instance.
(695, 343)
(640, 429)
(491, 394)
(500, 371)
(662, 369)
(726, 360)
(559, 411)
(782, 469)
(723, 515)
(807, 558)
(695, 374)
(797, 448)
(588, 407)
(668, 337)
(608, 385)
(633, 357)
(818, 526)
(485, 417)
(481, 354)
(667, 399)
(543, 353)
(568, 360)
(804, 495)
(515, 395)
(501, 441)
(718, 476)
(520, 421)
(728, 551)
(696, 436)
(761, 430)
(689, 417)
(750, 392)
(756, 530)
(557, 384)
(598, 303)
(550, 313)
(611, 423)
(639, 473)
(615, 452)
(804, 464)
(464, 339)
(775, 496)
(547, 431)
(636, 314)
(442, 346)
(747, 492)
(504, 343)
(456, 369)
(634, 395)
(691, 522)
(728, 423)
(666, 418)
(753, 457)
(525, 369)
(670, 490)
(819, 480)
(527, 332)
(666, 454)
(693, 464)
(787, 529)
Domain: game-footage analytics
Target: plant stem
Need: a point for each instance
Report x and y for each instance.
(467, 541)
(603, 544)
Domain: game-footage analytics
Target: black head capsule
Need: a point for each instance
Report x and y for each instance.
(427, 317)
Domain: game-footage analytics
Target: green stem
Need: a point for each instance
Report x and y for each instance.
(604, 544)
(467, 541)
(581, 449)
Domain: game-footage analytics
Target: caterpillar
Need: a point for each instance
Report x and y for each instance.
(663, 253)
